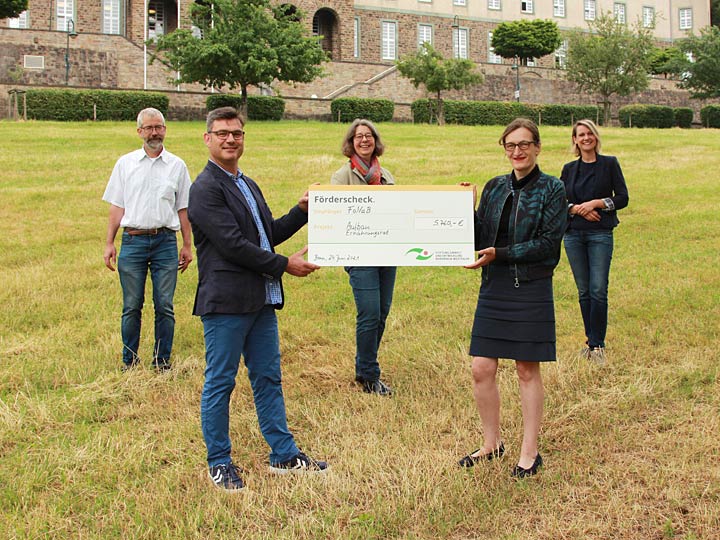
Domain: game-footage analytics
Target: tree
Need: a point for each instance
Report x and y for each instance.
(701, 75)
(612, 60)
(429, 68)
(242, 43)
(666, 61)
(715, 12)
(526, 39)
(12, 8)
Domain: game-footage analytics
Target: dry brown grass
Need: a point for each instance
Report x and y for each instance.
(631, 450)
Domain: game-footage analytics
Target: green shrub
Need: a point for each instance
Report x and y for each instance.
(683, 116)
(710, 116)
(78, 105)
(647, 116)
(259, 107)
(375, 110)
(496, 113)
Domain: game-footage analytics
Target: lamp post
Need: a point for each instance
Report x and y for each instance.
(71, 33)
(516, 67)
(456, 36)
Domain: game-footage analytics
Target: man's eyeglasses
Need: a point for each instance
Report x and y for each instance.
(223, 134)
(363, 136)
(150, 129)
(522, 145)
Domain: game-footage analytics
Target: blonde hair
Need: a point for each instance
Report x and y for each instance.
(592, 127)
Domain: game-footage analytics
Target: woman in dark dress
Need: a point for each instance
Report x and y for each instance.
(519, 225)
(596, 189)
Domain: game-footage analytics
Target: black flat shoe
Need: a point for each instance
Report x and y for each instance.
(470, 460)
(519, 472)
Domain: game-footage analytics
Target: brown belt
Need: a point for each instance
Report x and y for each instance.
(145, 232)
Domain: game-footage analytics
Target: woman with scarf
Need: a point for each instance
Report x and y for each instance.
(372, 285)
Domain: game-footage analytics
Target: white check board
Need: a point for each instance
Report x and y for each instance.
(390, 225)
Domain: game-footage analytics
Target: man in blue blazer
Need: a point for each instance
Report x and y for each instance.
(239, 289)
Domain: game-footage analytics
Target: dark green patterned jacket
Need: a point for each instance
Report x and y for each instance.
(537, 224)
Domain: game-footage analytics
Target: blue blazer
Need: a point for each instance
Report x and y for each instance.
(232, 267)
(609, 184)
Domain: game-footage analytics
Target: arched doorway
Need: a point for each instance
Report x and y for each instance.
(325, 24)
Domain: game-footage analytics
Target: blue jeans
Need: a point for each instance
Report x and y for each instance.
(159, 254)
(373, 290)
(590, 254)
(255, 337)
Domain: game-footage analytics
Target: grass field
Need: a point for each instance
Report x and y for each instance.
(631, 449)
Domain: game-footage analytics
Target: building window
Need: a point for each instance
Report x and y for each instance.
(619, 12)
(494, 4)
(589, 9)
(459, 2)
(21, 21)
(111, 17)
(561, 55)
(686, 22)
(389, 40)
(356, 38)
(492, 57)
(65, 11)
(648, 17)
(460, 42)
(559, 8)
(425, 1)
(156, 18)
(526, 6)
(424, 34)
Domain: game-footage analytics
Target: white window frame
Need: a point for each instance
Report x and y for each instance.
(620, 12)
(559, 8)
(561, 55)
(111, 16)
(494, 5)
(64, 10)
(685, 18)
(589, 10)
(388, 33)
(425, 34)
(492, 57)
(526, 6)
(648, 16)
(21, 21)
(356, 38)
(461, 40)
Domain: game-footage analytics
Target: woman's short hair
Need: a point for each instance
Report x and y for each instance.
(521, 123)
(348, 149)
(592, 127)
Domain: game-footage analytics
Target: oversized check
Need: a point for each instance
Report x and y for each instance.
(391, 225)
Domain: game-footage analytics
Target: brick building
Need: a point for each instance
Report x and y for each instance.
(101, 43)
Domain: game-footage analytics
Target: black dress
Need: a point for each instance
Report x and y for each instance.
(513, 322)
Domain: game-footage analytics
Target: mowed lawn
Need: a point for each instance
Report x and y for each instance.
(631, 449)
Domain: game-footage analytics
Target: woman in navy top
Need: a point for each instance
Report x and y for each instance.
(596, 190)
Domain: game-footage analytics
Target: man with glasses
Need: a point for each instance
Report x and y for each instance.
(239, 289)
(148, 194)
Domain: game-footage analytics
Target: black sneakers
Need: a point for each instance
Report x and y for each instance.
(299, 464)
(227, 476)
(375, 387)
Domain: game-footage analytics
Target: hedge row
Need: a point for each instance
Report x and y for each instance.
(78, 105)
(710, 116)
(646, 116)
(375, 110)
(498, 113)
(258, 107)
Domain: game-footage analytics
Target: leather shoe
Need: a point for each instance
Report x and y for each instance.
(471, 459)
(376, 387)
(519, 472)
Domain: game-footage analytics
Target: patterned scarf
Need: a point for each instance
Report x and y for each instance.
(372, 174)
